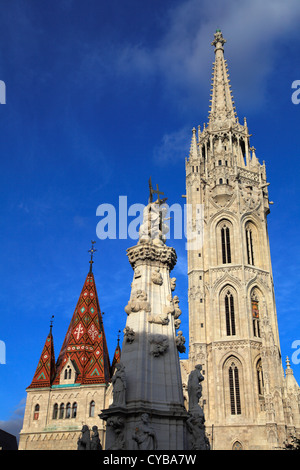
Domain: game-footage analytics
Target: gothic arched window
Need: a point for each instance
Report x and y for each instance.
(92, 409)
(68, 410)
(234, 389)
(74, 410)
(36, 412)
(260, 378)
(61, 411)
(249, 244)
(55, 411)
(225, 243)
(255, 315)
(229, 314)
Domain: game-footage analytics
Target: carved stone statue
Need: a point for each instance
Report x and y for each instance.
(180, 341)
(95, 440)
(137, 303)
(197, 436)
(159, 344)
(119, 386)
(129, 334)
(156, 277)
(144, 435)
(115, 424)
(195, 387)
(173, 283)
(84, 441)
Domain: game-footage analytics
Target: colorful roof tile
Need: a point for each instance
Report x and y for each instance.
(85, 341)
(45, 370)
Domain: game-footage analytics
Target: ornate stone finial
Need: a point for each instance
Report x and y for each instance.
(218, 41)
(92, 251)
(288, 364)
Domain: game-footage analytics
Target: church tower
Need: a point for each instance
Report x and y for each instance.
(232, 312)
(69, 393)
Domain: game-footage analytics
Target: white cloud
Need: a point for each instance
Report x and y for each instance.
(181, 57)
(173, 146)
(15, 423)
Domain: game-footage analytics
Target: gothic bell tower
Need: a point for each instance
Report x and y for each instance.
(232, 312)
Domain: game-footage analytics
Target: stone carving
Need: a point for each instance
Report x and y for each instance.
(177, 312)
(95, 440)
(152, 254)
(180, 341)
(159, 344)
(195, 387)
(84, 441)
(137, 274)
(119, 386)
(177, 323)
(116, 425)
(153, 227)
(196, 420)
(157, 277)
(173, 283)
(137, 303)
(144, 435)
(197, 436)
(159, 319)
(129, 334)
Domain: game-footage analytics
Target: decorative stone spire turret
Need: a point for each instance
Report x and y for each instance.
(222, 105)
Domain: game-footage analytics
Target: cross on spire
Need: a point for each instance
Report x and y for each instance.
(92, 251)
(51, 324)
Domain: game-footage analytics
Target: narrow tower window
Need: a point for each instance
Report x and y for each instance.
(255, 316)
(234, 389)
(260, 378)
(230, 315)
(226, 249)
(249, 243)
(74, 410)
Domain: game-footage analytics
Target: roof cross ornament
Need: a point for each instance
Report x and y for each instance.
(51, 324)
(92, 251)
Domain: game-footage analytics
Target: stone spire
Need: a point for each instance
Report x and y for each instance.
(222, 106)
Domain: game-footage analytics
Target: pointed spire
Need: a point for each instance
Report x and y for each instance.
(85, 342)
(92, 251)
(45, 370)
(222, 106)
(117, 355)
(291, 382)
(193, 149)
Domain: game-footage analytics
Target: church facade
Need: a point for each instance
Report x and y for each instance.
(248, 400)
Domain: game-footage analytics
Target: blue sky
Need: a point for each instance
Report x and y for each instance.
(99, 96)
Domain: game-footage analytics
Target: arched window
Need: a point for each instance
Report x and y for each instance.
(225, 242)
(234, 389)
(249, 244)
(74, 410)
(68, 410)
(230, 314)
(220, 181)
(36, 412)
(92, 409)
(237, 446)
(255, 314)
(61, 411)
(55, 411)
(260, 378)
